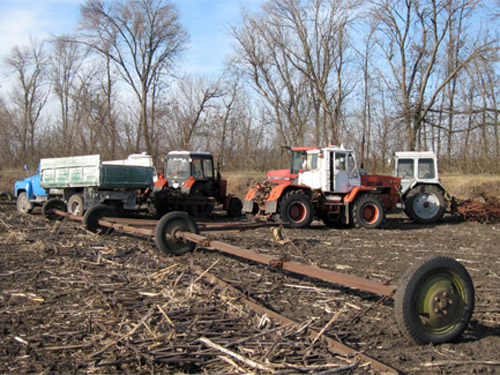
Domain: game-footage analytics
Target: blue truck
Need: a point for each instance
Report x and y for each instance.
(83, 181)
(29, 193)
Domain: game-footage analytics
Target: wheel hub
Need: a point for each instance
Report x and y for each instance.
(439, 304)
(426, 205)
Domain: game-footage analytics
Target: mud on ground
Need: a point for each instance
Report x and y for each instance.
(74, 302)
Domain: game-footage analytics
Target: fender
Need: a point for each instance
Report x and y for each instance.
(354, 193)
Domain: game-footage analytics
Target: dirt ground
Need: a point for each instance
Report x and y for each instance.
(75, 302)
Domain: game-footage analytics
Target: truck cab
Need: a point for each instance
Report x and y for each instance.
(29, 192)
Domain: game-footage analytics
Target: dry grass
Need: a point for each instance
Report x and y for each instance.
(9, 176)
(472, 186)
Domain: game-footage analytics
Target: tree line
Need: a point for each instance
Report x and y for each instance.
(377, 76)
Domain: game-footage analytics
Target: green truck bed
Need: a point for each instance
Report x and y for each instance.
(90, 171)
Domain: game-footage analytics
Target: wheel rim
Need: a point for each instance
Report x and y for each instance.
(174, 242)
(426, 205)
(370, 213)
(440, 303)
(75, 208)
(297, 212)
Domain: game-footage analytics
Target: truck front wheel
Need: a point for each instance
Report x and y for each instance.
(23, 203)
(296, 210)
(425, 204)
(367, 212)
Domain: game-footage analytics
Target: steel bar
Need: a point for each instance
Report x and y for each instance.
(105, 222)
(68, 215)
(298, 268)
(334, 345)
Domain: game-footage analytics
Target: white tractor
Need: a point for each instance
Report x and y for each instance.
(424, 198)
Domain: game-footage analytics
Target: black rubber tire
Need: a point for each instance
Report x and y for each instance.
(201, 191)
(92, 216)
(7, 196)
(75, 204)
(445, 279)
(234, 207)
(296, 209)
(51, 205)
(367, 212)
(165, 233)
(420, 204)
(23, 204)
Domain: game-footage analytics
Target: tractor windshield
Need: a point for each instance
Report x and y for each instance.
(297, 160)
(405, 168)
(178, 168)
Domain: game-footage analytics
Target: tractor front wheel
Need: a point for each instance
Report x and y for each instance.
(296, 209)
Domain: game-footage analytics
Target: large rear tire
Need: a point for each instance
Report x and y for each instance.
(425, 204)
(23, 204)
(434, 300)
(296, 209)
(367, 212)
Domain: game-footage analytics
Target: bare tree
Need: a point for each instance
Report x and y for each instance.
(143, 38)
(294, 55)
(195, 97)
(28, 64)
(412, 38)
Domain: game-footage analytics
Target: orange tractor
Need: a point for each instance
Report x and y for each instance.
(324, 183)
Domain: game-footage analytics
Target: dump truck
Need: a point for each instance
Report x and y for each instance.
(329, 186)
(83, 181)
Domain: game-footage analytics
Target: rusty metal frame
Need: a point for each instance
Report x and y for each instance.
(336, 346)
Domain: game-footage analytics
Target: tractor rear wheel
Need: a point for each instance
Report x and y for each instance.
(425, 204)
(234, 207)
(296, 209)
(367, 212)
(434, 300)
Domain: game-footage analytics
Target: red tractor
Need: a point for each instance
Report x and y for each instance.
(190, 184)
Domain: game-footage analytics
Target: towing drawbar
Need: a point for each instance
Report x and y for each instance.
(433, 301)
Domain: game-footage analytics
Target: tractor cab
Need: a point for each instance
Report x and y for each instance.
(287, 176)
(331, 169)
(186, 170)
(416, 167)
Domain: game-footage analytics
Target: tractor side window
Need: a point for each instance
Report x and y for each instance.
(207, 168)
(353, 171)
(197, 168)
(405, 168)
(178, 168)
(426, 168)
(312, 161)
(340, 162)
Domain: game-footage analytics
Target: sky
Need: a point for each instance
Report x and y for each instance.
(206, 20)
